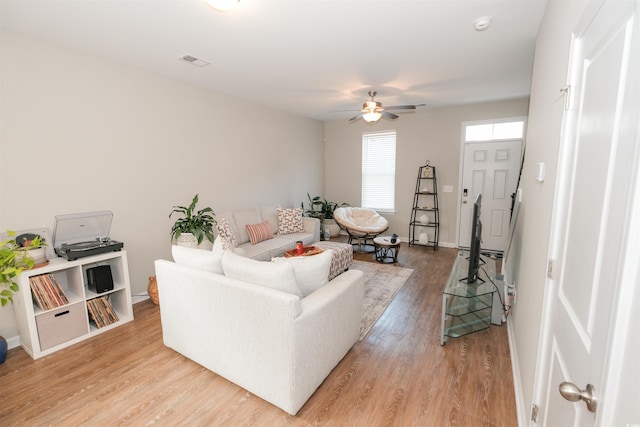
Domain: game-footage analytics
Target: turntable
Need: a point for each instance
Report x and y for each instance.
(84, 234)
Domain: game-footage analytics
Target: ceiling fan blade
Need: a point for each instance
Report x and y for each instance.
(388, 115)
(405, 107)
(401, 107)
(354, 118)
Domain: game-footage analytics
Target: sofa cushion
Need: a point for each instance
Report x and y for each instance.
(241, 219)
(311, 272)
(226, 234)
(259, 232)
(273, 275)
(270, 214)
(266, 250)
(198, 258)
(290, 221)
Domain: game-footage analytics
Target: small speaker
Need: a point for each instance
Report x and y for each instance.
(394, 238)
(99, 278)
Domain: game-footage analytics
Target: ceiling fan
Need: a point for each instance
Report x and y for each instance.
(373, 110)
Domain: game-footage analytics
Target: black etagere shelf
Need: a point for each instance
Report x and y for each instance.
(424, 226)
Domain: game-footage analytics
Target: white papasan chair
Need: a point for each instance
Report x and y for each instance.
(362, 224)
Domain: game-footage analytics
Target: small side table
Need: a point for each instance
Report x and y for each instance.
(386, 251)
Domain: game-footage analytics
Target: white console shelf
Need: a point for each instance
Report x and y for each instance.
(43, 332)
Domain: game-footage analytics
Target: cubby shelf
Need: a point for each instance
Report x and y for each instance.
(43, 332)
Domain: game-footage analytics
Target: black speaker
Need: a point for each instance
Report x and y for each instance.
(99, 278)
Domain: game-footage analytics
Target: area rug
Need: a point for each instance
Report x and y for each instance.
(381, 283)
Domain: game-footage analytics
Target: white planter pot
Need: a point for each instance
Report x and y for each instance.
(187, 240)
(38, 255)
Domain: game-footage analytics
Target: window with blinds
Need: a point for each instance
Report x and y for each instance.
(379, 170)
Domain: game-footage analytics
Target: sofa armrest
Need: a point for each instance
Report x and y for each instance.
(325, 331)
(312, 226)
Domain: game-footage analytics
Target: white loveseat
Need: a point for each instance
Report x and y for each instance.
(241, 319)
(275, 246)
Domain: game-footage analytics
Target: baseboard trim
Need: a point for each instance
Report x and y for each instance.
(13, 342)
(515, 372)
(135, 299)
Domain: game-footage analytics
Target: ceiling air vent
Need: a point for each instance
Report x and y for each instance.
(193, 60)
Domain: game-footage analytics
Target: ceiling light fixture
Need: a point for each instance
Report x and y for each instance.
(482, 23)
(223, 5)
(372, 111)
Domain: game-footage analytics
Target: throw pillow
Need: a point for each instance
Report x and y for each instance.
(290, 221)
(198, 258)
(225, 233)
(259, 232)
(311, 272)
(273, 275)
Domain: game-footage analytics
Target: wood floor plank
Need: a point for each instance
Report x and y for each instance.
(399, 375)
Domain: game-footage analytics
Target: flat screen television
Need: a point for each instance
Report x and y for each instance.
(474, 242)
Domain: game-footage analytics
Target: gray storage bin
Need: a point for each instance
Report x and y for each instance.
(61, 325)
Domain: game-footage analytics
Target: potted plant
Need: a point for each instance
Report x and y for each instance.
(323, 210)
(14, 258)
(192, 229)
(34, 246)
(315, 209)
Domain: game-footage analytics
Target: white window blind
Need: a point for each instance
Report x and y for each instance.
(379, 170)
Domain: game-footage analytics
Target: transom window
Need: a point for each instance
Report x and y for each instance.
(491, 131)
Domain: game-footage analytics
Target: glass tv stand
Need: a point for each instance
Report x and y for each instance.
(467, 308)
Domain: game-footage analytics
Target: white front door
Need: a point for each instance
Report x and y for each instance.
(490, 168)
(593, 254)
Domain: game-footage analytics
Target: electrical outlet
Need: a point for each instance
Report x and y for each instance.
(512, 293)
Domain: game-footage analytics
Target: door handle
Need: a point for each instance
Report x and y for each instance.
(572, 393)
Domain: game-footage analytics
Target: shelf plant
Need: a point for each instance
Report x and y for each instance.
(14, 257)
(199, 223)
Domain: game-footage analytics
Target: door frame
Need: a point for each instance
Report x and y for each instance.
(626, 295)
(463, 143)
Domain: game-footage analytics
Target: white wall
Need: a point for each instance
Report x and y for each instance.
(80, 133)
(433, 134)
(531, 244)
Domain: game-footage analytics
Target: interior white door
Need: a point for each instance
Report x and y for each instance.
(490, 168)
(593, 212)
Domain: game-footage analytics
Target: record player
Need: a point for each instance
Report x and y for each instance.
(84, 234)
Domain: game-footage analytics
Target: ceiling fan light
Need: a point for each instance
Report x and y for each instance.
(372, 116)
(223, 5)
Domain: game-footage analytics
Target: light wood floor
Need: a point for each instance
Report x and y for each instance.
(399, 375)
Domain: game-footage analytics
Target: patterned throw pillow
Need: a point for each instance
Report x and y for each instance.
(290, 221)
(226, 235)
(259, 232)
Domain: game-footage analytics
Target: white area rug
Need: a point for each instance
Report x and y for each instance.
(382, 283)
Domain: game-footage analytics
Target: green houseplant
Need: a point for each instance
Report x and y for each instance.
(199, 223)
(323, 209)
(14, 258)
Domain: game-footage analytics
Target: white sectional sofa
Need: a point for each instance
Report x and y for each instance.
(274, 328)
(274, 247)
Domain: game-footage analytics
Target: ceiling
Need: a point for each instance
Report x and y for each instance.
(309, 57)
